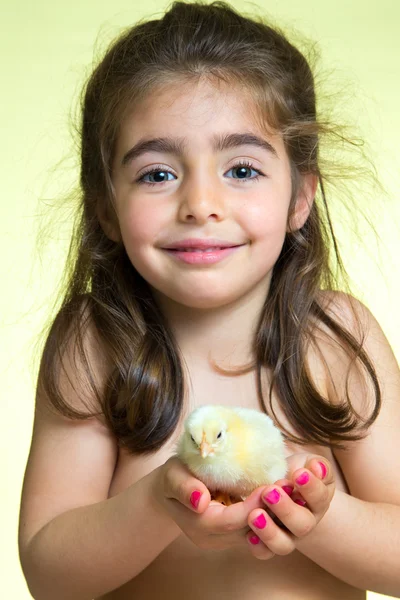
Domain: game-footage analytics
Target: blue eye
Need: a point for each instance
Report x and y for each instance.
(242, 168)
(155, 172)
(159, 171)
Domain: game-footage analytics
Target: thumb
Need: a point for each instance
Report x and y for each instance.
(317, 464)
(320, 466)
(181, 485)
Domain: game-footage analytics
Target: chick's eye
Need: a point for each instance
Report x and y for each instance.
(193, 440)
(219, 435)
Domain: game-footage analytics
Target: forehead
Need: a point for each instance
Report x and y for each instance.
(195, 110)
(199, 98)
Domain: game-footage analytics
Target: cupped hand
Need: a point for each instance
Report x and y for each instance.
(208, 524)
(298, 502)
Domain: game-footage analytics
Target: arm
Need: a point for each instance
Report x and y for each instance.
(72, 552)
(74, 542)
(358, 538)
(358, 542)
(354, 537)
(354, 540)
(90, 550)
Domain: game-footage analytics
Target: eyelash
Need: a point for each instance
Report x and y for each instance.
(158, 168)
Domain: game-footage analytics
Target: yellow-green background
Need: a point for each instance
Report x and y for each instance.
(46, 49)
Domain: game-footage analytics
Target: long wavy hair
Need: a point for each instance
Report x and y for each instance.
(144, 395)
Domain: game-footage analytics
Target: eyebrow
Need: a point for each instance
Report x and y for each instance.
(178, 145)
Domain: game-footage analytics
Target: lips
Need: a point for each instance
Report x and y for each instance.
(201, 245)
(211, 249)
(202, 256)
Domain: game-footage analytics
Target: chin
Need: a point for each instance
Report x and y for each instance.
(207, 300)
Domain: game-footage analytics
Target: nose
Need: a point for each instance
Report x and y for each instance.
(202, 200)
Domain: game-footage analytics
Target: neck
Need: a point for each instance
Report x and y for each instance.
(224, 334)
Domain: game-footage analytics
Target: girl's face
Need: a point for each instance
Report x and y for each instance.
(207, 182)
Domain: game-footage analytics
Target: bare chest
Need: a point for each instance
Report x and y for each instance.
(239, 391)
(183, 570)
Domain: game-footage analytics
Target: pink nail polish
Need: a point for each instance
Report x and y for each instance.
(195, 498)
(303, 478)
(324, 470)
(300, 502)
(273, 496)
(260, 521)
(288, 489)
(254, 539)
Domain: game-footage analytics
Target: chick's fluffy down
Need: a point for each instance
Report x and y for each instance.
(244, 449)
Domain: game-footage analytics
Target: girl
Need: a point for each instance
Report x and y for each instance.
(201, 275)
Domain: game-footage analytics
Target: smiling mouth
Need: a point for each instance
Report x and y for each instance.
(211, 249)
(202, 256)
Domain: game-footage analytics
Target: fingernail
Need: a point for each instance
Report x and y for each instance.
(260, 522)
(300, 502)
(195, 498)
(273, 496)
(324, 470)
(288, 489)
(303, 478)
(254, 539)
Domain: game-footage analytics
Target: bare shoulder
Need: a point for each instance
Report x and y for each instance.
(71, 461)
(327, 357)
(74, 363)
(347, 311)
(359, 322)
(366, 339)
(351, 381)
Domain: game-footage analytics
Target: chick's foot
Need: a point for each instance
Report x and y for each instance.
(224, 498)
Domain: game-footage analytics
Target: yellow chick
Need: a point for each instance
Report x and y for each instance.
(232, 450)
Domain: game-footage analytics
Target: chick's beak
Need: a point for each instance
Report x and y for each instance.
(205, 449)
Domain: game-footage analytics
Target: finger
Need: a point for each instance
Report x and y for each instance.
(297, 519)
(321, 468)
(222, 519)
(258, 548)
(286, 485)
(298, 499)
(277, 540)
(314, 492)
(181, 485)
(318, 464)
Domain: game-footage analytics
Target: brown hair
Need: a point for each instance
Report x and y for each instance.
(144, 394)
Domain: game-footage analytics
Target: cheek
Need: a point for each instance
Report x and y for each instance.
(264, 217)
(267, 213)
(138, 224)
